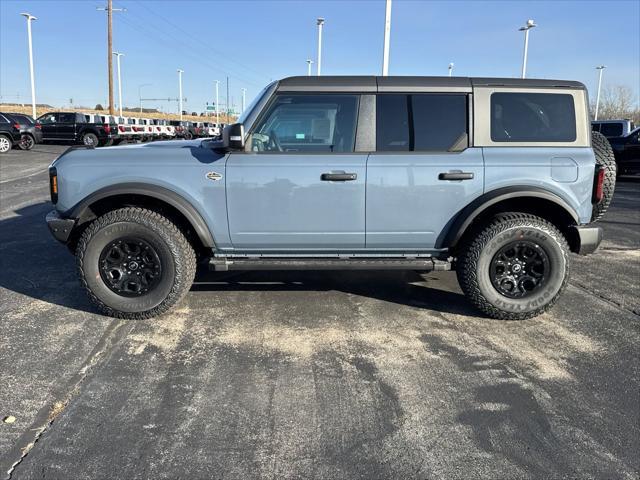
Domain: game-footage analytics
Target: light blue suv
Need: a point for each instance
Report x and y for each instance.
(497, 178)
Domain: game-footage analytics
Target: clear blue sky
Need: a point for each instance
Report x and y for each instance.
(256, 41)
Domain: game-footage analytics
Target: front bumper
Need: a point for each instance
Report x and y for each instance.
(588, 239)
(60, 227)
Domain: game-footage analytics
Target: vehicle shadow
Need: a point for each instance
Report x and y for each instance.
(32, 263)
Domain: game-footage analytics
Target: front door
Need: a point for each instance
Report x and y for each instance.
(49, 123)
(299, 186)
(422, 173)
(67, 126)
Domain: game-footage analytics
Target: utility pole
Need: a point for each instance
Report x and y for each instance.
(217, 101)
(227, 99)
(30, 18)
(309, 62)
(320, 23)
(118, 55)
(180, 72)
(140, 94)
(244, 93)
(601, 68)
(109, 9)
(387, 34)
(451, 69)
(530, 24)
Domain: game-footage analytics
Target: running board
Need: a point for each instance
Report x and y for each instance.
(424, 264)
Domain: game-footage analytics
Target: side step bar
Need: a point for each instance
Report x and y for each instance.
(424, 264)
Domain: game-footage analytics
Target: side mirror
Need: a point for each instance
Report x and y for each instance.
(233, 136)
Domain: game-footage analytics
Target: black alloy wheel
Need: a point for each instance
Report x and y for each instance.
(130, 267)
(519, 269)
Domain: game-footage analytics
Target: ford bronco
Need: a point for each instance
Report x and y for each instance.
(499, 179)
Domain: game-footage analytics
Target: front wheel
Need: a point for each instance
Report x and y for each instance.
(27, 142)
(135, 263)
(514, 268)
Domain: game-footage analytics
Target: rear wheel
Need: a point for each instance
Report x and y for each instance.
(514, 268)
(135, 263)
(605, 159)
(5, 144)
(90, 139)
(27, 142)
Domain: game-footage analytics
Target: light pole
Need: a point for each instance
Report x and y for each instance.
(601, 68)
(118, 55)
(309, 62)
(320, 23)
(30, 18)
(140, 93)
(387, 34)
(180, 72)
(530, 24)
(451, 69)
(217, 98)
(244, 92)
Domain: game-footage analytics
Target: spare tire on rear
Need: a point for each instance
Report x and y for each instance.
(604, 159)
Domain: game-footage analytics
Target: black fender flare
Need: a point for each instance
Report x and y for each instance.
(456, 228)
(148, 190)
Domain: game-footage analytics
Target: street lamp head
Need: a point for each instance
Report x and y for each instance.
(601, 67)
(309, 61)
(118, 54)
(530, 24)
(180, 71)
(28, 16)
(450, 65)
(320, 21)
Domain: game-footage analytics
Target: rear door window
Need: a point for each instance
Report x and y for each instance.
(532, 117)
(421, 122)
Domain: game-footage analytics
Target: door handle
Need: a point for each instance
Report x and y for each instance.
(338, 177)
(455, 176)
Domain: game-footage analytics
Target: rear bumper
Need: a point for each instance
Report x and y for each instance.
(589, 239)
(60, 227)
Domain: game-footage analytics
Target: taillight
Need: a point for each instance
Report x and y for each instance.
(121, 128)
(16, 126)
(53, 184)
(107, 128)
(38, 126)
(158, 128)
(598, 187)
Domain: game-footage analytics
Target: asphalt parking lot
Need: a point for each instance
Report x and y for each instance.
(313, 375)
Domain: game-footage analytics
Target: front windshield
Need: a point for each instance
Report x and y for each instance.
(248, 110)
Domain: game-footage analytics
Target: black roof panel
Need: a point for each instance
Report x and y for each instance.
(356, 83)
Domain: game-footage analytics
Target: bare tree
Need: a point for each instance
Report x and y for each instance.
(617, 102)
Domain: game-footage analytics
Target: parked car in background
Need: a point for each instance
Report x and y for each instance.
(30, 131)
(139, 127)
(9, 133)
(627, 152)
(163, 128)
(150, 129)
(613, 128)
(180, 128)
(73, 127)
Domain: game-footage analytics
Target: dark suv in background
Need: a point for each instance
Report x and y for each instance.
(9, 133)
(75, 128)
(30, 131)
(627, 152)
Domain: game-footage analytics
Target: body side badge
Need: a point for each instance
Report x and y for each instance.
(215, 176)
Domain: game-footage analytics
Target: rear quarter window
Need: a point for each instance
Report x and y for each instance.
(611, 129)
(532, 117)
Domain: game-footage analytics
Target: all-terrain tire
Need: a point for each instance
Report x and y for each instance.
(176, 256)
(474, 265)
(605, 159)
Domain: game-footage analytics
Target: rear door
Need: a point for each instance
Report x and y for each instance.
(66, 129)
(423, 171)
(299, 185)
